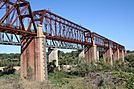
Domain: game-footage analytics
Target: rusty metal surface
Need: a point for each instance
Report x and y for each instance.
(57, 28)
(18, 23)
(104, 42)
(16, 17)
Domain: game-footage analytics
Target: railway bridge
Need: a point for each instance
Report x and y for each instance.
(35, 31)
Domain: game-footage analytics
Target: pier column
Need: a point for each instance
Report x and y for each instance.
(116, 55)
(33, 57)
(91, 53)
(81, 53)
(53, 55)
(108, 56)
(122, 55)
(97, 55)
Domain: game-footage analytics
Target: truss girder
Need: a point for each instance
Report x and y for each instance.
(18, 23)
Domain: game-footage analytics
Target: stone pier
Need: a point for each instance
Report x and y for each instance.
(53, 55)
(116, 55)
(91, 53)
(122, 55)
(81, 53)
(97, 55)
(108, 56)
(33, 57)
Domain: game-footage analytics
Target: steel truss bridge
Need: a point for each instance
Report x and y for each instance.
(18, 24)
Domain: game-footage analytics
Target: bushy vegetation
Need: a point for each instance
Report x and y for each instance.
(8, 70)
(51, 66)
(13, 81)
(68, 58)
(9, 62)
(9, 56)
(83, 75)
(9, 59)
(121, 73)
(60, 78)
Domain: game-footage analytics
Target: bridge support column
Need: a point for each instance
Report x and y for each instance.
(97, 55)
(33, 57)
(108, 56)
(122, 55)
(116, 55)
(91, 53)
(53, 55)
(81, 53)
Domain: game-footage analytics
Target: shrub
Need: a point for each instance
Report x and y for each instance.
(124, 66)
(127, 78)
(29, 73)
(129, 58)
(51, 66)
(8, 70)
(83, 69)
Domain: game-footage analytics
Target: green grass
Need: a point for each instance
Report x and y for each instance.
(15, 76)
(126, 78)
(60, 78)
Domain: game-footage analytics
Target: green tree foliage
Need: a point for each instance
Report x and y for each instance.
(51, 66)
(68, 58)
(9, 56)
(128, 51)
(9, 59)
(130, 58)
(8, 70)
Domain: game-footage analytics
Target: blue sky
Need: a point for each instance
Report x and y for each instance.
(111, 18)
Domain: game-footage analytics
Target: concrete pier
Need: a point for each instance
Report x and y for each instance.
(116, 55)
(91, 53)
(81, 53)
(53, 55)
(33, 57)
(122, 55)
(108, 56)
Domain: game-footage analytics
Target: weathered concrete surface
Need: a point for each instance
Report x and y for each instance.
(122, 55)
(53, 55)
(108, 56)
(116, 55)
(97, 55)
(81, 53)
(91, 53)
(33, 58)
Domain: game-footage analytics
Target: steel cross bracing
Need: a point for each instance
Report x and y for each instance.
(16, 22)
(18, 25)
(60, 29)
(104, 42)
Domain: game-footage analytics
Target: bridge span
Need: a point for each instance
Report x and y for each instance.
(34, 31)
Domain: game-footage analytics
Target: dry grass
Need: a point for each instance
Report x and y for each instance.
(78, 83)
(22, 84)
(58, 81)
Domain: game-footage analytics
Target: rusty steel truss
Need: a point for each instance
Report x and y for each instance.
(18, 25)
(61, 29)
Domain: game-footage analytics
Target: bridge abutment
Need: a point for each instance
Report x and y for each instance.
(33, 57)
